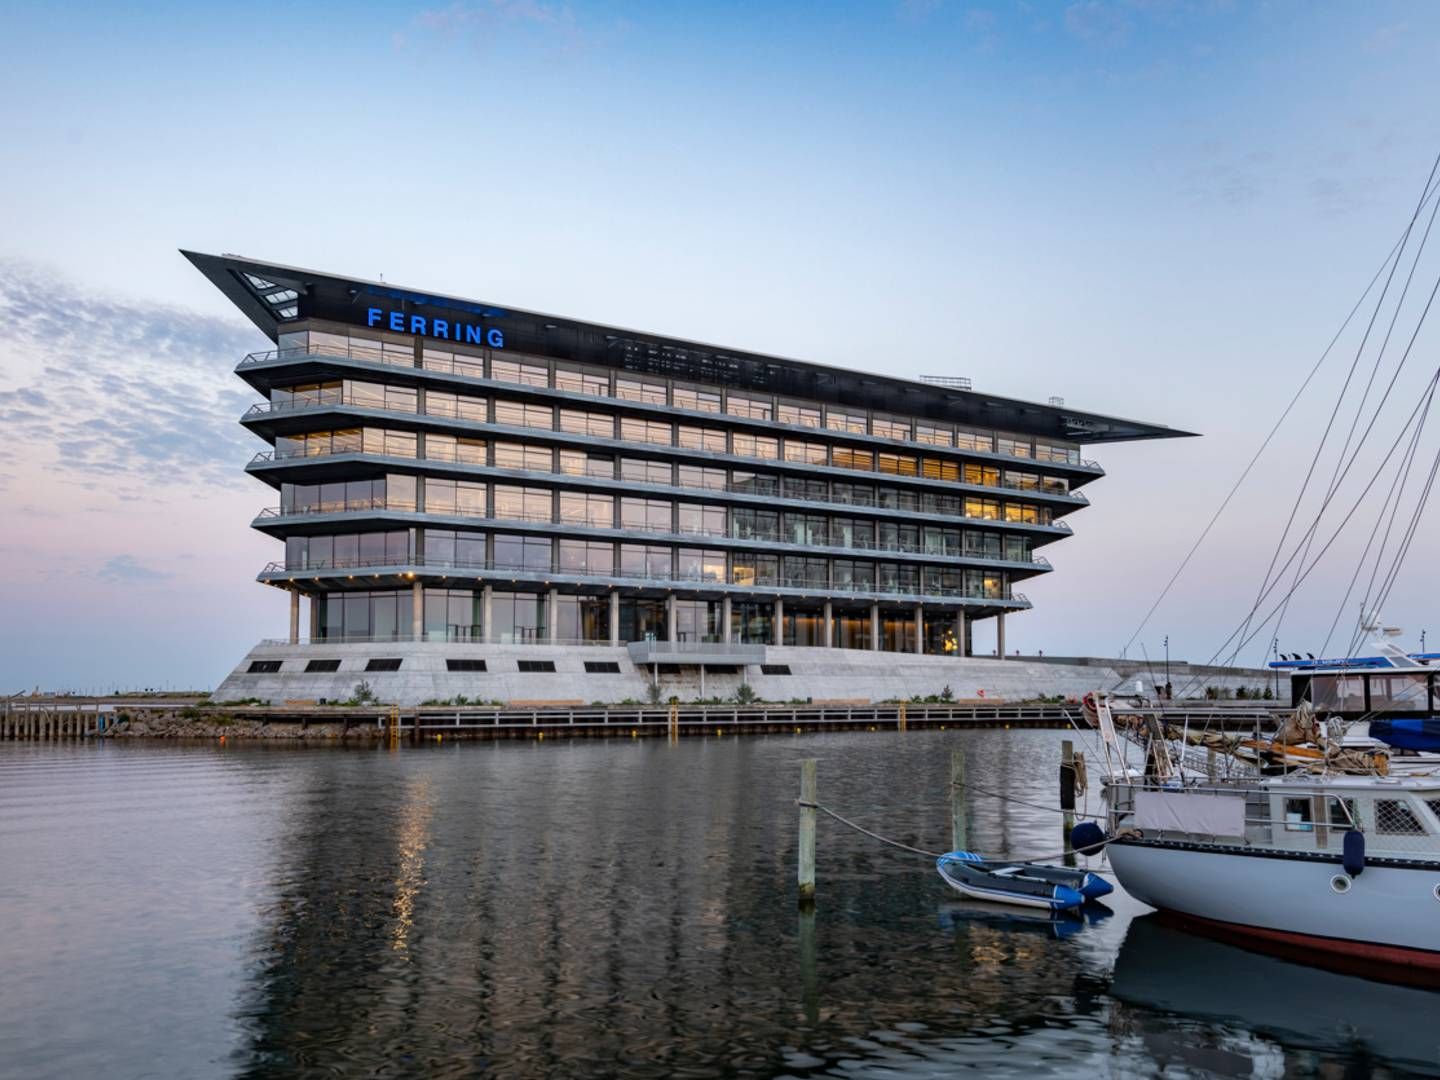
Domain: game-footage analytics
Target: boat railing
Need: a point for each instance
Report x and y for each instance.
(1398, 821)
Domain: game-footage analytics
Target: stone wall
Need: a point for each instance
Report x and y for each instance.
(814, 675)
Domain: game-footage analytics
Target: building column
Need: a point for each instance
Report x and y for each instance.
(487, 625)
(552, 616)
(919, 628)
(962, 634)
(777, 629)
(417, 611)
(672, 632)
(829, 637)
(1000, 634)
(874, 627)
(725, 619)
(614, 616)
(294, 616)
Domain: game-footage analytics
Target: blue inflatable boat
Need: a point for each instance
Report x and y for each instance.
(1055, 888)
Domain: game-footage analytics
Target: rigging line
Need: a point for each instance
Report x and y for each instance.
(1397, 491)
(1320, 513)
(1325, 435)
(1245, 473)
(1389, 509)
(1246, 622)
(1412, 530)
(1374, 370)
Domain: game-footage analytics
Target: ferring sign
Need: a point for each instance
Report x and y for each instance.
(428, 326)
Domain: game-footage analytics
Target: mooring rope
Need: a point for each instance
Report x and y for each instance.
(1091, 850)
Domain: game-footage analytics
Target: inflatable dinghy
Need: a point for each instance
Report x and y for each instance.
(1055, 888)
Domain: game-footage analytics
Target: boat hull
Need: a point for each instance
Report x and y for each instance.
(1387, 916)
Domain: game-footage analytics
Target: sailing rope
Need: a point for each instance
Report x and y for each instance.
(938, 854)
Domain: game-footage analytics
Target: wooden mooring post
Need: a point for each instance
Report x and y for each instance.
(958, 837)
(1067, 791)
(808, 802)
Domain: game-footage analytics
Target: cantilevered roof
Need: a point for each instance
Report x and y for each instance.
(273, 295)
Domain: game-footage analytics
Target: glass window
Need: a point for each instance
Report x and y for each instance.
(582, 381)
(853, 494)
(840, 420)
(528, 373)
(845, 457)
(799, 415)
(702, 438)
(522, 503)
(524, 456)
(1022, 512)
(648, 515)
(580, 463)
(651, 431)
(587, 508)
(896, 464)
(755, 446)
(697, 399)
(1013, 445)
(756, 408)
(456, 406)
(1022, 481)
(811, 453)
(587, 557)
(697, 518)
(934, 434)
(519, 617)
(522, 552)
(600, 425)
(1050, 451)
(644, 561)
(439, 547)
(969, 439)
(524, 414)
(986, 509)
(696, 476)
(643, 471)
(988, 475)
(753, 524)
(440, 447)
(889, 427)
(699, 564)
(753, 568)
(940, 469)
(631, 388)
(755, 483)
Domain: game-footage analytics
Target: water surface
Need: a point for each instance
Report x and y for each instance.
(594, 908)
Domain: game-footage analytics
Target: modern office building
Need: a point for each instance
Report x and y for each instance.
(465, 493)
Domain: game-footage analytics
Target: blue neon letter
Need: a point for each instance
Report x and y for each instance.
(441, 328)
(373, 315)
(397, 322)
(494, 338)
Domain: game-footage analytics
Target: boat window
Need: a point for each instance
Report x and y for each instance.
(1297, 815)
(1398, 692)
(1345, 693)
(1434, 805)
(1395, 818)
(1338, 816)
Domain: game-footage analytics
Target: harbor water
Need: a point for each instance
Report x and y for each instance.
(603, 907)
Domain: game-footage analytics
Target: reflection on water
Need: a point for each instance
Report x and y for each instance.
(597, 908)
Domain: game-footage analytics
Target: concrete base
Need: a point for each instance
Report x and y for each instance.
(815, 674)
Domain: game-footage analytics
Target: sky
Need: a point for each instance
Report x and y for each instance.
(1161, 209)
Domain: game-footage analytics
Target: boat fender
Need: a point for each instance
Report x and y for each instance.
(1353, 858)
(1087, 838)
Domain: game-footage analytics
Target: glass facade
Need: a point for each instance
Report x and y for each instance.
(626, 492)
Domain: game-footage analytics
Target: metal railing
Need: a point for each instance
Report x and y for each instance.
(676, 533)
(369, 567)
(264, 457)
(473, 368)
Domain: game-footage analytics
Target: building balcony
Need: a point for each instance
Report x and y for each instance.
(270, 518)
(730, 490)
(460, 372)
(366, 573)
(447, 422)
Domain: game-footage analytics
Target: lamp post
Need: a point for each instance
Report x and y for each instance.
(1275, 672)
(1167, 668)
